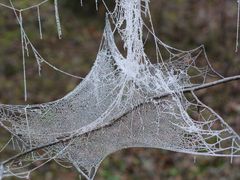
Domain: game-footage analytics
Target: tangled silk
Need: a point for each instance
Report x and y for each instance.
(125, 101)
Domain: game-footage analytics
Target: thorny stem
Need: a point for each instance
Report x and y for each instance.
(95, 128)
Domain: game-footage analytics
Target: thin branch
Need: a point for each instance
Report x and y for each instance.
(211, 84)
(90, 128)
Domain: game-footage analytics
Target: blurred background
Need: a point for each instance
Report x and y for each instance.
(184, 24)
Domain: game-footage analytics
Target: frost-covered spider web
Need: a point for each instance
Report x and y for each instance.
(125, 101)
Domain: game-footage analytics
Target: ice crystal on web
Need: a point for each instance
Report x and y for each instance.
(125, 101)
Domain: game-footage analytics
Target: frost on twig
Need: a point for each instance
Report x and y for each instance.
(39, 22)
(238, 25)
(59, 29)
(125, 101)
(1, 171)
(26, 43)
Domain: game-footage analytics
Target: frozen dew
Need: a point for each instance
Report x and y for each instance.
(125, 101)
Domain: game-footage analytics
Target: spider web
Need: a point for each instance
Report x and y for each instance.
(125, 101)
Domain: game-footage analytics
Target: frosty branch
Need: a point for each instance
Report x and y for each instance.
(125, 101)
(91, 128)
